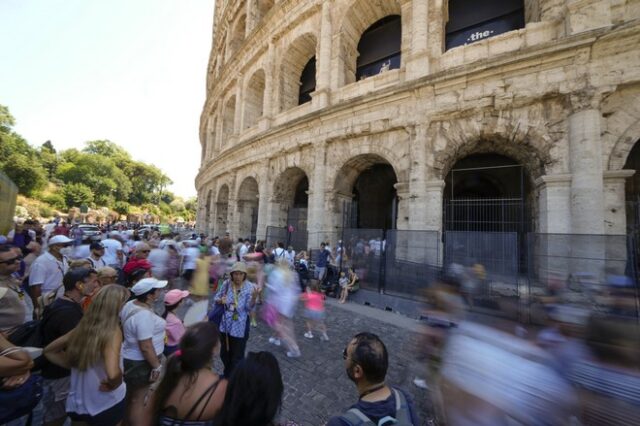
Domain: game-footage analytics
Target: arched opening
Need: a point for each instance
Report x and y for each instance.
(379, 23)
(237, 35)
(307, 82)
(632, 190)
(248, 203)
(486, 213)
(366, 187)
(222, 210)
(228, 117)
(469, 23)
(291, 195)
(379, 48)
(254, 99)
(299, 58)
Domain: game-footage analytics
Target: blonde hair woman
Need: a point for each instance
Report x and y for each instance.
(92, 352)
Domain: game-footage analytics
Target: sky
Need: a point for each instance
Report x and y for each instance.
(131, 71)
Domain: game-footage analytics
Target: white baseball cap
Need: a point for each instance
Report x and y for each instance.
(59, 239)
(146, 284)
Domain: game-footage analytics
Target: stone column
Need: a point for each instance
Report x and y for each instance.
(269, 89)
(434, 190)
(418, 60)
(554, 204)
(265, 195)
(237, 122)
(615, 217)
(323, 70)
(585, 155)
(317, 191)
(402, 215)
(418, 180)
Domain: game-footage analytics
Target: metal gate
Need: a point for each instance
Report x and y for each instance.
(293, 234)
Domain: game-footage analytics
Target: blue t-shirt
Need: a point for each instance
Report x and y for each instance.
(323, 258)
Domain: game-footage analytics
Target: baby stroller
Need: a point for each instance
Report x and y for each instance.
(329, 285)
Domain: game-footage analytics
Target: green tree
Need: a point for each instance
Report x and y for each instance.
(77, 194)
(17, 158)
(49, 158)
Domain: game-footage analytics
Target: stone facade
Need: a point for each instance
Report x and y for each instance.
(561, 96)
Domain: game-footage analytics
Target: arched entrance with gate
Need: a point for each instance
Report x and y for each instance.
(367, 202)
(486, 217)
(290, 209)
(248, 201)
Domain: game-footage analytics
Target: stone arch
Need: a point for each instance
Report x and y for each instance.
(286, 208)
(237, 34)
(247, 205)
(621, 128)
(294, 59)
(222, 209)
(517, 139)
(366, 185)
(254, 99)
(228, 119)
(360, 15)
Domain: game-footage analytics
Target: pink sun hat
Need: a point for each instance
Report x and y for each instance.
(174, 296)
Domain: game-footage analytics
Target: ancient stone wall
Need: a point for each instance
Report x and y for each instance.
(559, 96)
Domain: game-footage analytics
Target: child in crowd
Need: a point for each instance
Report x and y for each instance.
(175, 328)
(314, 311)
(347, 284)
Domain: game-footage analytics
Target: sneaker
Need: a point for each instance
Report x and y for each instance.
(293, 354)
(421, 383)
(324, 337)
(274, 341)
(253, 323)
(308, 335)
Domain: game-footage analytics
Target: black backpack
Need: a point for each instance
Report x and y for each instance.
(31, 334)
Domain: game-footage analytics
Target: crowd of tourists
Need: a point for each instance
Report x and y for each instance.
(108, 329)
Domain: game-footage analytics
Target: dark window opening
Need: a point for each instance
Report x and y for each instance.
(379, 47)
(301, 196)
(307, 82)
(375, 197)
(469, 23)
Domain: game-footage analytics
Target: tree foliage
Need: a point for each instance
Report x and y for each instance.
(102, 173)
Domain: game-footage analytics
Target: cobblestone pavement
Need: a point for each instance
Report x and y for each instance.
(316, 384)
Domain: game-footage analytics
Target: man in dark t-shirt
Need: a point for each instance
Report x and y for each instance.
(62, 316)
(366, 361)
(322, 262)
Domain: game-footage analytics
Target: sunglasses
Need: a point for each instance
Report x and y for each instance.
(144, 251)
(11, 261)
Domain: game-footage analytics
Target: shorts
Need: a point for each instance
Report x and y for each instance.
(109, 417)
(320, 272)
(54, 398)
(136, 373)
(314, 315)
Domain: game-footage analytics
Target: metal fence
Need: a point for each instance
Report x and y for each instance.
(290, 236)
(594, 271)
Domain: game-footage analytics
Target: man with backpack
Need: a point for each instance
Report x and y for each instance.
(59, 318)
(366, 362)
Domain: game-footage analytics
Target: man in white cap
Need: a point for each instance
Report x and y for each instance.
(47, 272)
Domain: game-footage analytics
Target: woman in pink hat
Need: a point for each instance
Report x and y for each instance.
(174, 328)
